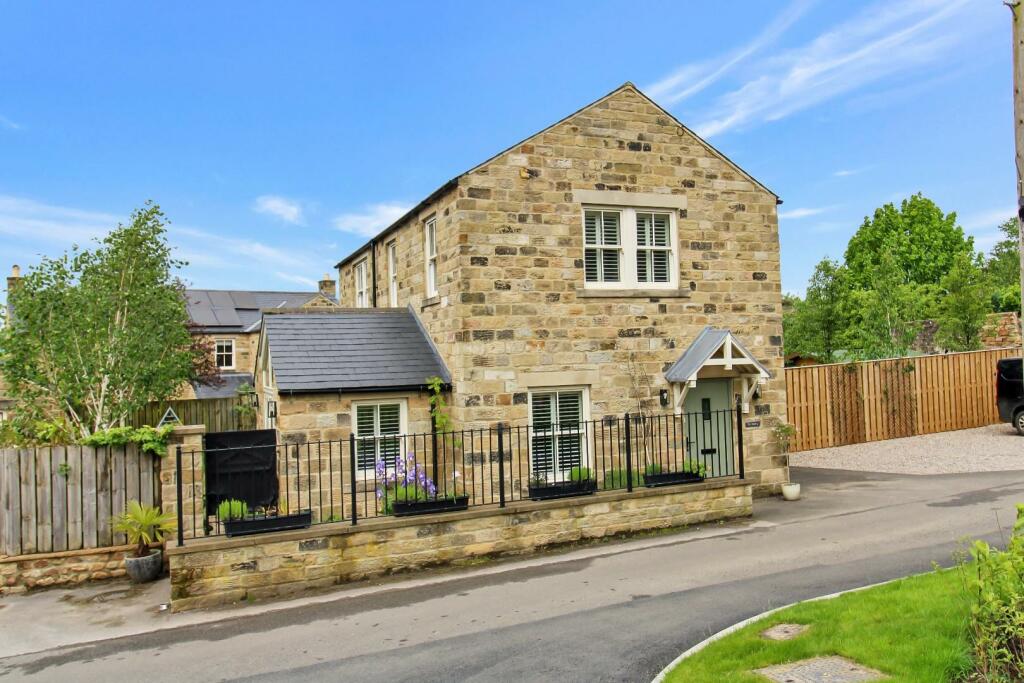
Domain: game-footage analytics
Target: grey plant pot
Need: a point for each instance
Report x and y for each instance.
(144, 569)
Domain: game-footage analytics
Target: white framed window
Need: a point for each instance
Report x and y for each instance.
(359, 273)
(558, 439)
(630, 248)
(379, 426)
(224, 353)
(393, 273)
(430, 253)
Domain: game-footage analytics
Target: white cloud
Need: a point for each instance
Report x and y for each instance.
(692, 78)
(257, 251)
(990, 218)
(372, 219)
(297, 279)
(33, 221)
(847, 172)
(7, 123)
(286, 209)
(883, 42)
(793, 214)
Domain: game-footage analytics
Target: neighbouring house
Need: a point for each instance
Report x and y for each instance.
(614, 262)
(231, 320)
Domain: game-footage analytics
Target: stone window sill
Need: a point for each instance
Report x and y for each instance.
(431, 301)
(633, 293)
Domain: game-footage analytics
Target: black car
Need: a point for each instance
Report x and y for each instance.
(1010, 392)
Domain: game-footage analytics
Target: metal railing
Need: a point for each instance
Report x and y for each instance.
(364, 477)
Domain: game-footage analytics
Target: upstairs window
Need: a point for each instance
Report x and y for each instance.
(362, 300)
(430, 252)
(224, 352)
(603, 245)
(628, 248)
(393, 273)
(653, 247)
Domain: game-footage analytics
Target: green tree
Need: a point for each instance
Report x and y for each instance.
(886, 316)
(815, 324)
(1003, 268)
(96, 334)
(962, 305)
(923, 240)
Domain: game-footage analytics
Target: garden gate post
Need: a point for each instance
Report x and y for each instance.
(501, 465)
(352, 473)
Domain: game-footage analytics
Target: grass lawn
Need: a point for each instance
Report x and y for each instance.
(913, 630)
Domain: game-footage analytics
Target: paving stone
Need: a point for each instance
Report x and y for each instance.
(832, 669)
(783, 631)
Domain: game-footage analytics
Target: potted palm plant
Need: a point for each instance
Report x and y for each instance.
(144, 525)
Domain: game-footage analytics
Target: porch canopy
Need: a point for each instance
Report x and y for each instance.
(716, 353)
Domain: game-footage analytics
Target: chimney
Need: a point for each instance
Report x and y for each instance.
(327, 287)
(12, 283)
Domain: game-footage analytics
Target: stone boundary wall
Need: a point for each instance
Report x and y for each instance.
(21, 573)
(213, 572)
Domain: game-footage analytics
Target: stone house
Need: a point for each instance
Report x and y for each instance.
(613, 262)
(231, 320)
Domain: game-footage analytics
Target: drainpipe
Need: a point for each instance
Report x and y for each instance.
(373, 272)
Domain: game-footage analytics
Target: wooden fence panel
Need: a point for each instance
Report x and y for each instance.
(63, 497)
(840, 404)
(218, 414)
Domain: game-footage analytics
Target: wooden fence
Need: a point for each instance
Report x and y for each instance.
(63, 497)
(218, 414)
(836, 405)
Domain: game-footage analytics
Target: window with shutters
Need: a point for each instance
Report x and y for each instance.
(393, 273)
(558, 431)
(224, 351)
(362, 300)
(627, 248)
(603, 245)
(378, 429)
(430, 252)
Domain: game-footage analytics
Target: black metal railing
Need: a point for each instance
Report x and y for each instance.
(363, 477)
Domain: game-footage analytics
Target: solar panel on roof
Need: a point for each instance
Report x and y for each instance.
(202, 315)
(226, 316)
(244, 300)
(221, 300)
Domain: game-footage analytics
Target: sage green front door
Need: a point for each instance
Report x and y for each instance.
(709, 418)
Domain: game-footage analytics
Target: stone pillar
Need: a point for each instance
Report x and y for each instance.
(193, 478)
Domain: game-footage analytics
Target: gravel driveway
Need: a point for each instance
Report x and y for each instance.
(995, 448)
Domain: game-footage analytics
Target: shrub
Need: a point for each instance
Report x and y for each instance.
(616, 479)
(652, 468)
(995, 586)
(143, 525)
(403, 493)
(580, 474)
(232, 509)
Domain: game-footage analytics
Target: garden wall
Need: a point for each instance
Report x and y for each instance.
(21, 573)
(211, 572)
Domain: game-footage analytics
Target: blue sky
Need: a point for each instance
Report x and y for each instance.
(277, 136)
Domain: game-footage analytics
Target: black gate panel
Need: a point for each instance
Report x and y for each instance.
(243, 466)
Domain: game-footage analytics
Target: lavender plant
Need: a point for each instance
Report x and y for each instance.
(407, 482)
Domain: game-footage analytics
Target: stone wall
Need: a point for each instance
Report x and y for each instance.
(216, 572)
(522, 317)
(22, 573)
(1001, 331)
(193, 478)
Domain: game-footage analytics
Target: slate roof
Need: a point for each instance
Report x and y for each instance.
(355, 349)
(226, 310)
(232, 380)
(700, 351)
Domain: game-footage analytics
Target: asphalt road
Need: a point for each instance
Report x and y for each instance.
(618, 612)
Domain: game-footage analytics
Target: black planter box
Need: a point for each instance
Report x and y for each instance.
(405, 508)
(262, 525)
(670, 478)
(562, 489)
